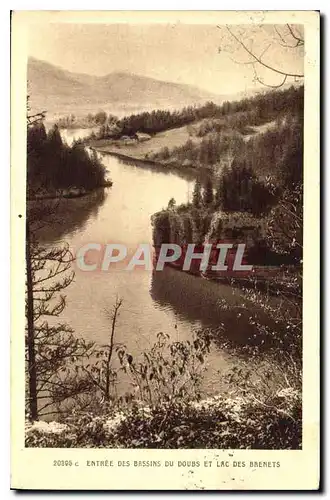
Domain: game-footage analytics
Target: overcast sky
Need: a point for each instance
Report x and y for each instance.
(200, 55)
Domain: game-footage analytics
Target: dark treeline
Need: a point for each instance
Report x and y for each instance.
(248, 111)
(254, 111)
(276, 152)
(53, 165)
(238, 189)
(205, 153)
(239, 207)
(256, 196)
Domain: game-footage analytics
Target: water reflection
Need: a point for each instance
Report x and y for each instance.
(170, 301)
(218, 307)
(70, 135)
(69, 215)
(186, 173)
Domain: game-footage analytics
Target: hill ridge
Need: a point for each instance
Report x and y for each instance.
(61, 91)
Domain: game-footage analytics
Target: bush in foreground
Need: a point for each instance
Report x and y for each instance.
(219, 422)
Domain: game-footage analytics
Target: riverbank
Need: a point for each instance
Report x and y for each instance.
(275, 280)
(69, 193)
(145, 150)
(269, 271)
(145, 162)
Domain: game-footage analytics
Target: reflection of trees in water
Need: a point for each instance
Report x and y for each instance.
(70, 215)
(196, 299)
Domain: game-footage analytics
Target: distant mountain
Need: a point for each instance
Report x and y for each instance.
(61, 92)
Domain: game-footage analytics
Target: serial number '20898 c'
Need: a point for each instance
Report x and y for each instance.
(63, 463)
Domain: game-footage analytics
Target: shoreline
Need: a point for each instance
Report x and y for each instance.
(260, 281)
(125, 156)
(70, 196)
(145, 162)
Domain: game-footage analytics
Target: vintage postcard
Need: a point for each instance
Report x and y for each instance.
(165, 250)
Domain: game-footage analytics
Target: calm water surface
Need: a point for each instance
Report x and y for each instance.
(170, 301)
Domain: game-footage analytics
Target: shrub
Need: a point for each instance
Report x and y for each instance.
(219, 422)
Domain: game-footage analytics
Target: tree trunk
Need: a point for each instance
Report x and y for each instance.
(33, 404)
(111, 343)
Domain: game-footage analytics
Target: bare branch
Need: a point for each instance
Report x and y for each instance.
(258, 59)
(258, 79)
(284, 43)
(300, 41)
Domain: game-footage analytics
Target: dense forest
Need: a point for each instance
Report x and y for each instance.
(53, 165)
(255, 110)
(215, 142)
(257, 187)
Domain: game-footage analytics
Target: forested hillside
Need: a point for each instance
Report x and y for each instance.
(232, 132)
(255, 110)
(254, 182)
(264, 130)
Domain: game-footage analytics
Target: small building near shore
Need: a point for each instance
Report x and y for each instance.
(127, 140)
(141, 136)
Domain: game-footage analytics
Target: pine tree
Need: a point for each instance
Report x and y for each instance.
(221, 195)
(208, 193)
(197, 194)
(51, 349)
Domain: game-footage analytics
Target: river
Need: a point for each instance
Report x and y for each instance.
(171, 301)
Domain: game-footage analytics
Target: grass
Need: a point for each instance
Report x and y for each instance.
(260, 129)
(171, 139)
(141, 150)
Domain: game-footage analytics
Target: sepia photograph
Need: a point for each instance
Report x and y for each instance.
(162, 224)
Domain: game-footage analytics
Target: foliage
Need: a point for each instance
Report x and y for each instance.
(285, 224)
(97, 363)
(210, 151)
(208, 193)
(248, 111)
(278, 151)
(164, 408)
(168, 371)
(52, 350)
(239, 189)
(275, 154)
(197, 194)
(275, 319)
(254, 111)
(100, 117)
(221, 422)
(182, 224)
(53, 165)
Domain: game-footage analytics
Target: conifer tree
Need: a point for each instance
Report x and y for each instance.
(208, 193)
(197, 194)
(52, 350)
